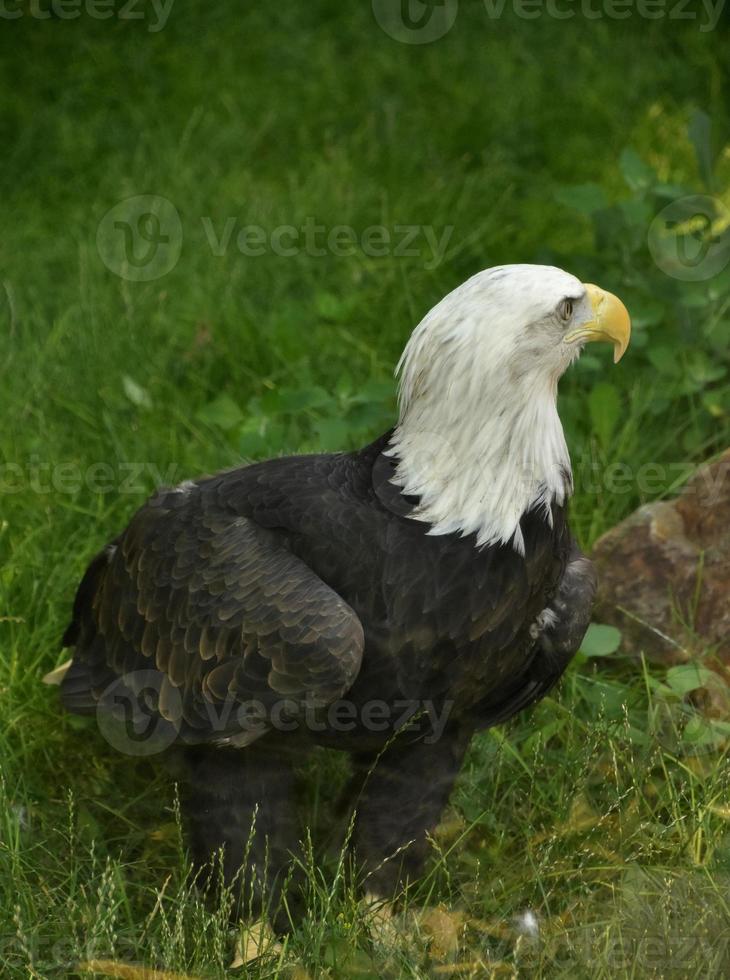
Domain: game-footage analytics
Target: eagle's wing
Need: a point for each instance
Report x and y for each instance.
(568, 616)
(218, 610)
(557, 636)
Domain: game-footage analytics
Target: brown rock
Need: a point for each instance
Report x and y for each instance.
(664, 572)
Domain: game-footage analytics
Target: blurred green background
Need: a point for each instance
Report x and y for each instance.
(508, 139)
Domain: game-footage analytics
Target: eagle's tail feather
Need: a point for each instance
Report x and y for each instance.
(57, 675)
(76, 693)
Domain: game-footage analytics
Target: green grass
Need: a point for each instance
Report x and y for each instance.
(595, 810)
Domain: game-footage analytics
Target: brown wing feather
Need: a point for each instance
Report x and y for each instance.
(220, 608)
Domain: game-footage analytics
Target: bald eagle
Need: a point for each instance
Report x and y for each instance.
(388, 602)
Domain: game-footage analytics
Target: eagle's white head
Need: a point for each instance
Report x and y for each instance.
(479, 439)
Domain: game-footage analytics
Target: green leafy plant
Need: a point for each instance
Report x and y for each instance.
(681, 329)
(309, 418)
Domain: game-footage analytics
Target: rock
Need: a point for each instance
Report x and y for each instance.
(664, 572)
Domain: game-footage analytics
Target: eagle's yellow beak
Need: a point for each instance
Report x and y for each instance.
(611, 321)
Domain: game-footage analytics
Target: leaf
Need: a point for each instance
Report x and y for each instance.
(604, 405)
(637, 735)
(704, 371)
(291, 401)
(645, 311)
(260, 437)
(665, 360)
(607, 697)
(689, 677)
(700, 135)
(128, 971)
(333, 434)
(600, 640)
(222, 411)
(637, 174)
(136, 393)
(585, 198)
(443, 928)
(363, 418)
(609, 225)
(670, 192)
(294, 400)
(254, 941)
(337, 308)
(715, 404)
(589, 362)
(374, 391)
(698, 731)
(637, 214)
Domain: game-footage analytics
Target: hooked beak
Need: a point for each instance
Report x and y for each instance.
(610, 322)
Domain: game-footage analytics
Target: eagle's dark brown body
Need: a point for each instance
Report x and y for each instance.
(273, 606)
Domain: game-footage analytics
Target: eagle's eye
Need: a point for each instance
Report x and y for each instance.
(565, 309)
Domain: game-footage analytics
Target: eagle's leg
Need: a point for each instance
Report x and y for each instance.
(241, 802)
(403, 793)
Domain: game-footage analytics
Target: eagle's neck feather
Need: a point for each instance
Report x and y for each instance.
(479, 463)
